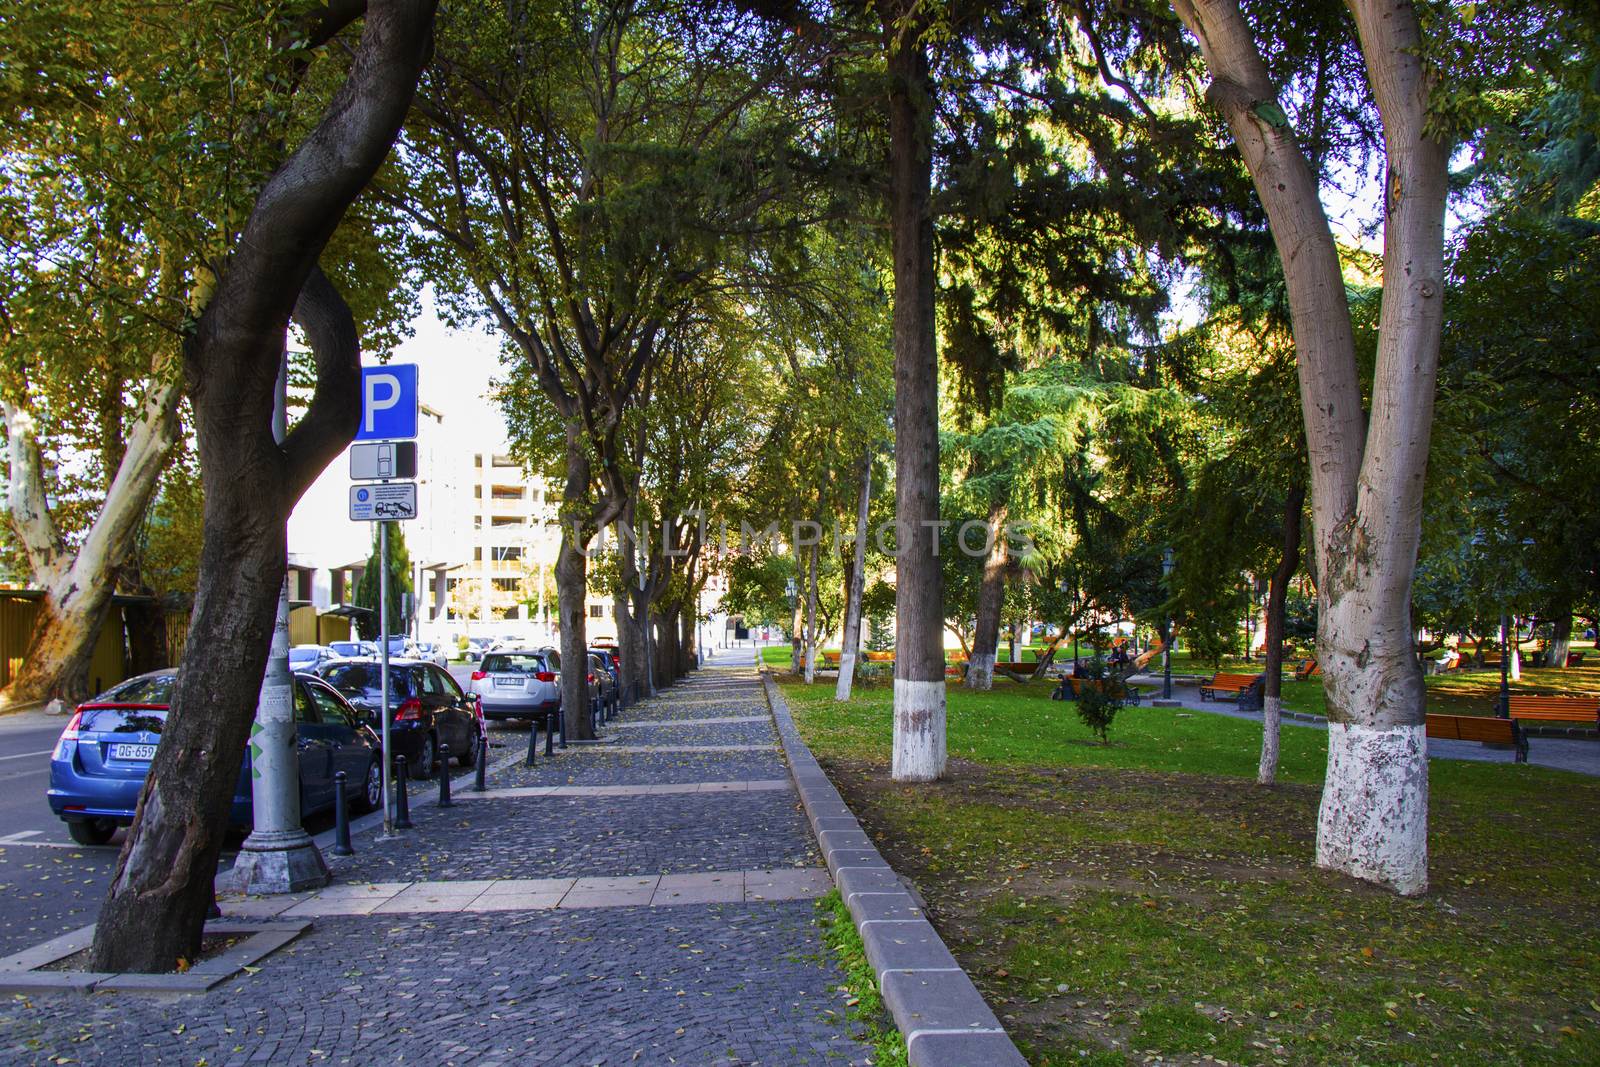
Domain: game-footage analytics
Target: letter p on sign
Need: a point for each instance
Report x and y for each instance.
(388, 403)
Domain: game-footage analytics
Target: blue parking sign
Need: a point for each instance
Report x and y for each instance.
(388, 403)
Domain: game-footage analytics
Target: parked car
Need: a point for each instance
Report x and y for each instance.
(427, 709)
(433, 652)
(611, 665)
(100, 763)
(353, 649)
(476, 647)
(309, 657)
(518, 685)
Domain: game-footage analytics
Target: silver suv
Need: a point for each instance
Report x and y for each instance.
(518, 685)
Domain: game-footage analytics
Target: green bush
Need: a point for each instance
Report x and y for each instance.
(1098, 705)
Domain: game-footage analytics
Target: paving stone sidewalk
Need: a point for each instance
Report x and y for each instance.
(615, 928)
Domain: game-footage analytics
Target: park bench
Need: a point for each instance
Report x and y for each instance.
(1071, 687)
(879, 657)
(1579, 709)
(1482, 728)
(1307, 668)
(830, 659)
(1245, 689)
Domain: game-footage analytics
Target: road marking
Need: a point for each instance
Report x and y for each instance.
(19, 835)
(28, 755)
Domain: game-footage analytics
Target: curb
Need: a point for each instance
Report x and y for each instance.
(944, 1018)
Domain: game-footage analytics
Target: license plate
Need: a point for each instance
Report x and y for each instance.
(133, 752)
(508, 683)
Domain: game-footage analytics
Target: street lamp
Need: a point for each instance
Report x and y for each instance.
(1166, 646)
(1504, 709)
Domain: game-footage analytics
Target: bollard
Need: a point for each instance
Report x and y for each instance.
(402, 817)
(479, 785)
(444, 777)
(550, 732)
(561, 724)
(533, 742)
(341, 818)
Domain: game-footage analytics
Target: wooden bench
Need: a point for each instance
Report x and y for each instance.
(1307, 668)
(1486, 729)
(1579, 709)
(1245, 689)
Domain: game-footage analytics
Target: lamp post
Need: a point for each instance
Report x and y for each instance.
(1504, 708)
(1166, 647)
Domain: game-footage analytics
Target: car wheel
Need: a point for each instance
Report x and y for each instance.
(427, 757)
(92, 831)
(469, 758)
(371, 794)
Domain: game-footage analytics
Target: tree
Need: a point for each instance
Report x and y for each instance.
(366, 592)
(156, 904)
(1366, 471)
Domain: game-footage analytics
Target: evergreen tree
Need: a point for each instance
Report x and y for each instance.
(399, 584)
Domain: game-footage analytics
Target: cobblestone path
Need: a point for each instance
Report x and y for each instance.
(564, 927)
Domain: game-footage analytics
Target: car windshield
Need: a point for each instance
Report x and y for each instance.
(367, 678)
(513, 663)
(347, 648)
(302, 655)
(396, 645)
(147, 689)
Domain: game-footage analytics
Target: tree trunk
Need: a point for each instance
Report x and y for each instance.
(572, 583)
(811, 617)
(1560, 635)
(78, 586)
(686, 643)
(797, 649)
(156, 905)
(1366, 474)
(850, 646)
(631, 605)
(991, 599)
(666, 658)
(1277, 597)
(919, 694)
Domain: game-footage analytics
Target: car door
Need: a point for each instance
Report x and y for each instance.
(351, 750)
(457, 720)
(315, 752)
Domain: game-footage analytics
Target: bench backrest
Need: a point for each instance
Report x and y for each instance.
(1472, 728)
(1229, 681)
(1584, 707)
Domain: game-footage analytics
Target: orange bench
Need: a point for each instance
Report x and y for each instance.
(1486, 729)
(1580, 709)
(1308, 668)
(1245, 689)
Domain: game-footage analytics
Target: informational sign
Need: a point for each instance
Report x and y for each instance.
(387, 501)
(382, 460)
(388, 403)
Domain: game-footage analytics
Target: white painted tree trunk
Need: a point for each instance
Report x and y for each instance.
(919, 745)
(1374, 818)
(858, 584)
(812, 639)
(980, 670)
(1271, 716)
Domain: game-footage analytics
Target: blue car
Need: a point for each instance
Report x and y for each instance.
(100, 763)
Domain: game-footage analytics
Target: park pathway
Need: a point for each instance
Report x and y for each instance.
(645, 899)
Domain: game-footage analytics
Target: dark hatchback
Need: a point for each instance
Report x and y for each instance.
(100, 763)
(429, 709)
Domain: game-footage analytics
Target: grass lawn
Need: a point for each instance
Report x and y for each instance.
(1147, 899)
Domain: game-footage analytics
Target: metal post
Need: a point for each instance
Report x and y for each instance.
(444, 777)
(1166, 645)
(481, 769)
(341, 818)
(533, 743)
(278, 856)
(390, 823)
(550, 731)
(1503, 710)
(402, 818)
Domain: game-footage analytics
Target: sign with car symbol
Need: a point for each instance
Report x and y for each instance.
(395, 501)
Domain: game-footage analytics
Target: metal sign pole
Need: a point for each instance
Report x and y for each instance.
(383, 659)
